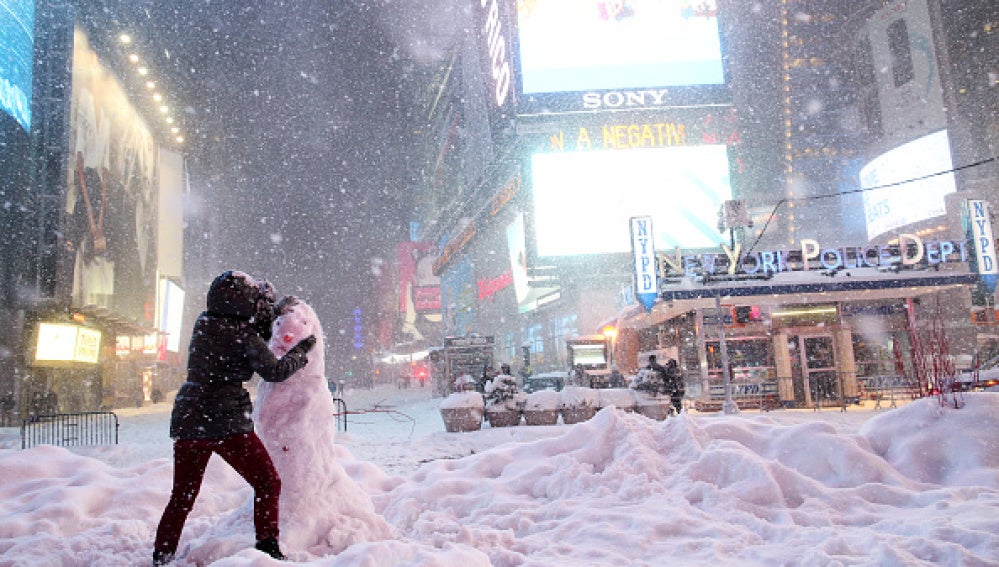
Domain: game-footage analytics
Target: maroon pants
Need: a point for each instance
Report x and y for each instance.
(244, 453)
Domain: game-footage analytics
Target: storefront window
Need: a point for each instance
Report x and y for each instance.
(751, 358)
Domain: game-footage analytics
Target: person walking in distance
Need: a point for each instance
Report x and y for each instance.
(211, 413)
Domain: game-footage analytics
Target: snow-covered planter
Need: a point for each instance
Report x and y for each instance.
(653, 406)
(621, 398)
(462, 411)
(578, 404)
(503, 401)
(542, 407)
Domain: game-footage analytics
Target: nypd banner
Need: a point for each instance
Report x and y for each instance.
(644, 252)
(983, 240)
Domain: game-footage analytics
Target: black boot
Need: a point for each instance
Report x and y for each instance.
(270, 547)
(162, 558)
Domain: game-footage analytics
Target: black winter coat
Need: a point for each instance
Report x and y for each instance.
(225, 352)
(226, 349)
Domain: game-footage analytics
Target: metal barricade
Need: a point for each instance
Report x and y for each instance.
(70, 429)
(340, 413)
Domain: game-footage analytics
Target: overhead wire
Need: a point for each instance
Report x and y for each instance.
(783, 201)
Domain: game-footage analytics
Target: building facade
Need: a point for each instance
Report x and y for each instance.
(93, 261)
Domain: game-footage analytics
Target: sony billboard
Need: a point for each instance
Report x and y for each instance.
(617, 55)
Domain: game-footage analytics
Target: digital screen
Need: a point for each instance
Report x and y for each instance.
(17, 26)
(571, 46)
(172, 314)
(903, 204)
(588, 355)
(583, 200)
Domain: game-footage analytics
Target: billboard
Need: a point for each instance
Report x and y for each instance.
(902, 204)
(584, 200)
(171, 313)
(17, 42)
(111, 199)
(419, 289)
(909, 91)
(611, 54)
(528, 297)
(63, 342)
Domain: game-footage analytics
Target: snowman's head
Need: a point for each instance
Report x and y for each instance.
(295, 320)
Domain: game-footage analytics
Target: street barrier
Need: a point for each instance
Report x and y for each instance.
(340, 414)
(70, 429)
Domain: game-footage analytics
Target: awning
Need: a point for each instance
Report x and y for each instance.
(805, 283)
(798, 288)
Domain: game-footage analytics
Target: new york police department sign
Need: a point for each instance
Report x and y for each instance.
(644, 252)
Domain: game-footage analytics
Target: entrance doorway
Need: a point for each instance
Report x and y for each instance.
(813, 369)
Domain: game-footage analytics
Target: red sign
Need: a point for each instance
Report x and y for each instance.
(489, 286)
(427, 298)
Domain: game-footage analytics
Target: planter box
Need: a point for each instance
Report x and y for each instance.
(503, 418)
(541, 417)
(653, 410)
(622, 398)
(462, 419)
(577, 415)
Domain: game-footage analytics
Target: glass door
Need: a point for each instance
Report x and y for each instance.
(819, 364)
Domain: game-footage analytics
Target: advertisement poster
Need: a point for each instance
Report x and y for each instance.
(111, 196)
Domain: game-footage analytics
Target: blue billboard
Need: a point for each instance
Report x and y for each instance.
(17, 36)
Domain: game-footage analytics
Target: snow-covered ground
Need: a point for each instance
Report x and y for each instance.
(917, 485)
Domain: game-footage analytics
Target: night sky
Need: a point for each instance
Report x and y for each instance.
(299, 119)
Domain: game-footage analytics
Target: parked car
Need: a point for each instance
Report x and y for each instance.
(985, 377)
(545, 381)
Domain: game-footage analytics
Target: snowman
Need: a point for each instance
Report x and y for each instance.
(322, 510)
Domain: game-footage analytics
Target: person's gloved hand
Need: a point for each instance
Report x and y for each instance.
(307, 343)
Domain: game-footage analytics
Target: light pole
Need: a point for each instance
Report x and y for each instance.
(729, 405)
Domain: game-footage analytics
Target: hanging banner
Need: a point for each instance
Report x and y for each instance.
(644, 251)
(983, 240)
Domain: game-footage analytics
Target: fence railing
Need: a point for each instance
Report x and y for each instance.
(70, 429)
(340, 413)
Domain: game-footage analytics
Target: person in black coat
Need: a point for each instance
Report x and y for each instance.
(675, 385)
(211, 413)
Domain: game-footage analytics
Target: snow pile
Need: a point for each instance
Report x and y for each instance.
(912, 486)
(543, 400)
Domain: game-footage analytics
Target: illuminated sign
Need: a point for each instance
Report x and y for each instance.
(358, 329)
(898, 201)
(58, 342)
(618, 53)
(17, 37)
(910, 251)
(489, 286)
(150, 344)
(88, 345)
(496, 48)
(681, 188)
(171, 313)
(427, 298)
(122, 345)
